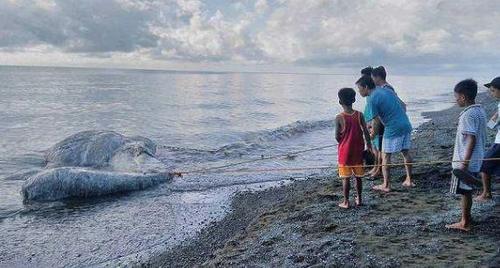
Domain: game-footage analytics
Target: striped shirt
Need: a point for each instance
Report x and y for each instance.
(472, 121)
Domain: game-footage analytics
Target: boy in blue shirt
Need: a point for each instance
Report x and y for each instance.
(387, 110)
(469, 148)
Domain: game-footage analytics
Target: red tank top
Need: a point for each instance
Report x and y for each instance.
(351, 143)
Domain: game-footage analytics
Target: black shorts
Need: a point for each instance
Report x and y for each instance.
(492, 167)
(459, 187)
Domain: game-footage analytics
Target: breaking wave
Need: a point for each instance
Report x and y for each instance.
(251, 142)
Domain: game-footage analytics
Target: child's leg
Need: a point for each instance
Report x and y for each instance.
(489, 168)
(373, 171)
(386, 169)
(466, 210)
(386, 185)
(465, 223)
(486, 187)
(359, 191)
(345, 188)
(378, 163)
(408, 159)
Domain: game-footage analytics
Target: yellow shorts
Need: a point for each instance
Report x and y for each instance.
(347, 172)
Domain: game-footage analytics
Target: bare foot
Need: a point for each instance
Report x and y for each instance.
(459, 226)
(373, 177)
(408, 183)
(344, 205)
(381, 188)
(483, 198)
(358, 202)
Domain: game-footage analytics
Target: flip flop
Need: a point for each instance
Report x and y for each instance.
(466, 177)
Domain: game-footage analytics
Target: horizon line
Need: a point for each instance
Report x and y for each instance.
(169, 70)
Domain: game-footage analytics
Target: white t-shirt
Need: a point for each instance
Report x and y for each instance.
(472, 121)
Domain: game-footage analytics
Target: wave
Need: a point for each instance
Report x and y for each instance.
(251, 142)
(288, 131)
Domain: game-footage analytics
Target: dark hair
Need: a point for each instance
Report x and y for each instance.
(347, 96)
(379, 72)
(367, 70)
(366, 81)
(468, 88)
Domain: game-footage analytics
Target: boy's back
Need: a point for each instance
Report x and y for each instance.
(385, 104)
(352, 144)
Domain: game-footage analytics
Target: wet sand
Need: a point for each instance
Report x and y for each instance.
(300, 225)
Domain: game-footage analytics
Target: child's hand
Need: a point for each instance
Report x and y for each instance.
(464, 166)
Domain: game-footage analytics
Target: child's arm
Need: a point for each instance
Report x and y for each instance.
(471, 143)
(338, 127)
(368, 140)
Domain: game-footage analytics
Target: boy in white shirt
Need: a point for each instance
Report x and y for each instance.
(469, 148)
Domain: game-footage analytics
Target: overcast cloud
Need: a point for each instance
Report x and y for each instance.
(296, 32)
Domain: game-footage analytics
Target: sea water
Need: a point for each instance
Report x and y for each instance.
(198, 119)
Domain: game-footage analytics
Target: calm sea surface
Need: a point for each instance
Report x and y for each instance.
(198, 120)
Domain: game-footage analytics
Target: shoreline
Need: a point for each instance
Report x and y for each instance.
(300, 224)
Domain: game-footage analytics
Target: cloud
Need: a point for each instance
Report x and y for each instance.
(316, 32)
(261, 6)
(91, 26)
(411, 31)
(205, 36)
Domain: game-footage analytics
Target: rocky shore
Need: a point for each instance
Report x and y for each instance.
(300, 225)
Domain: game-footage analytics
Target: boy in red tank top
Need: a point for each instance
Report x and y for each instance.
(351, 133)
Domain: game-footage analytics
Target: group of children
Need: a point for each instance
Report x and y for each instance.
(384, 129)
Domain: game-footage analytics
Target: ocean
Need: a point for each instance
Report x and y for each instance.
(198, 119)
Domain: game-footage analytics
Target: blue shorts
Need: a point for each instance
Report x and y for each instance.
(396, 144)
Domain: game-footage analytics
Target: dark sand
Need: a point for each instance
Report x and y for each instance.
(300, 224)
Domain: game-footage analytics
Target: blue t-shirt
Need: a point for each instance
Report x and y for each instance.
(367, 113)
(385, 104)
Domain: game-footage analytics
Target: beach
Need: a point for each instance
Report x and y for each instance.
(219, 119)
(209, 133)
(299, 224)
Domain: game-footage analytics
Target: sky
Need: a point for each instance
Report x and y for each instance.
(259, 35)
